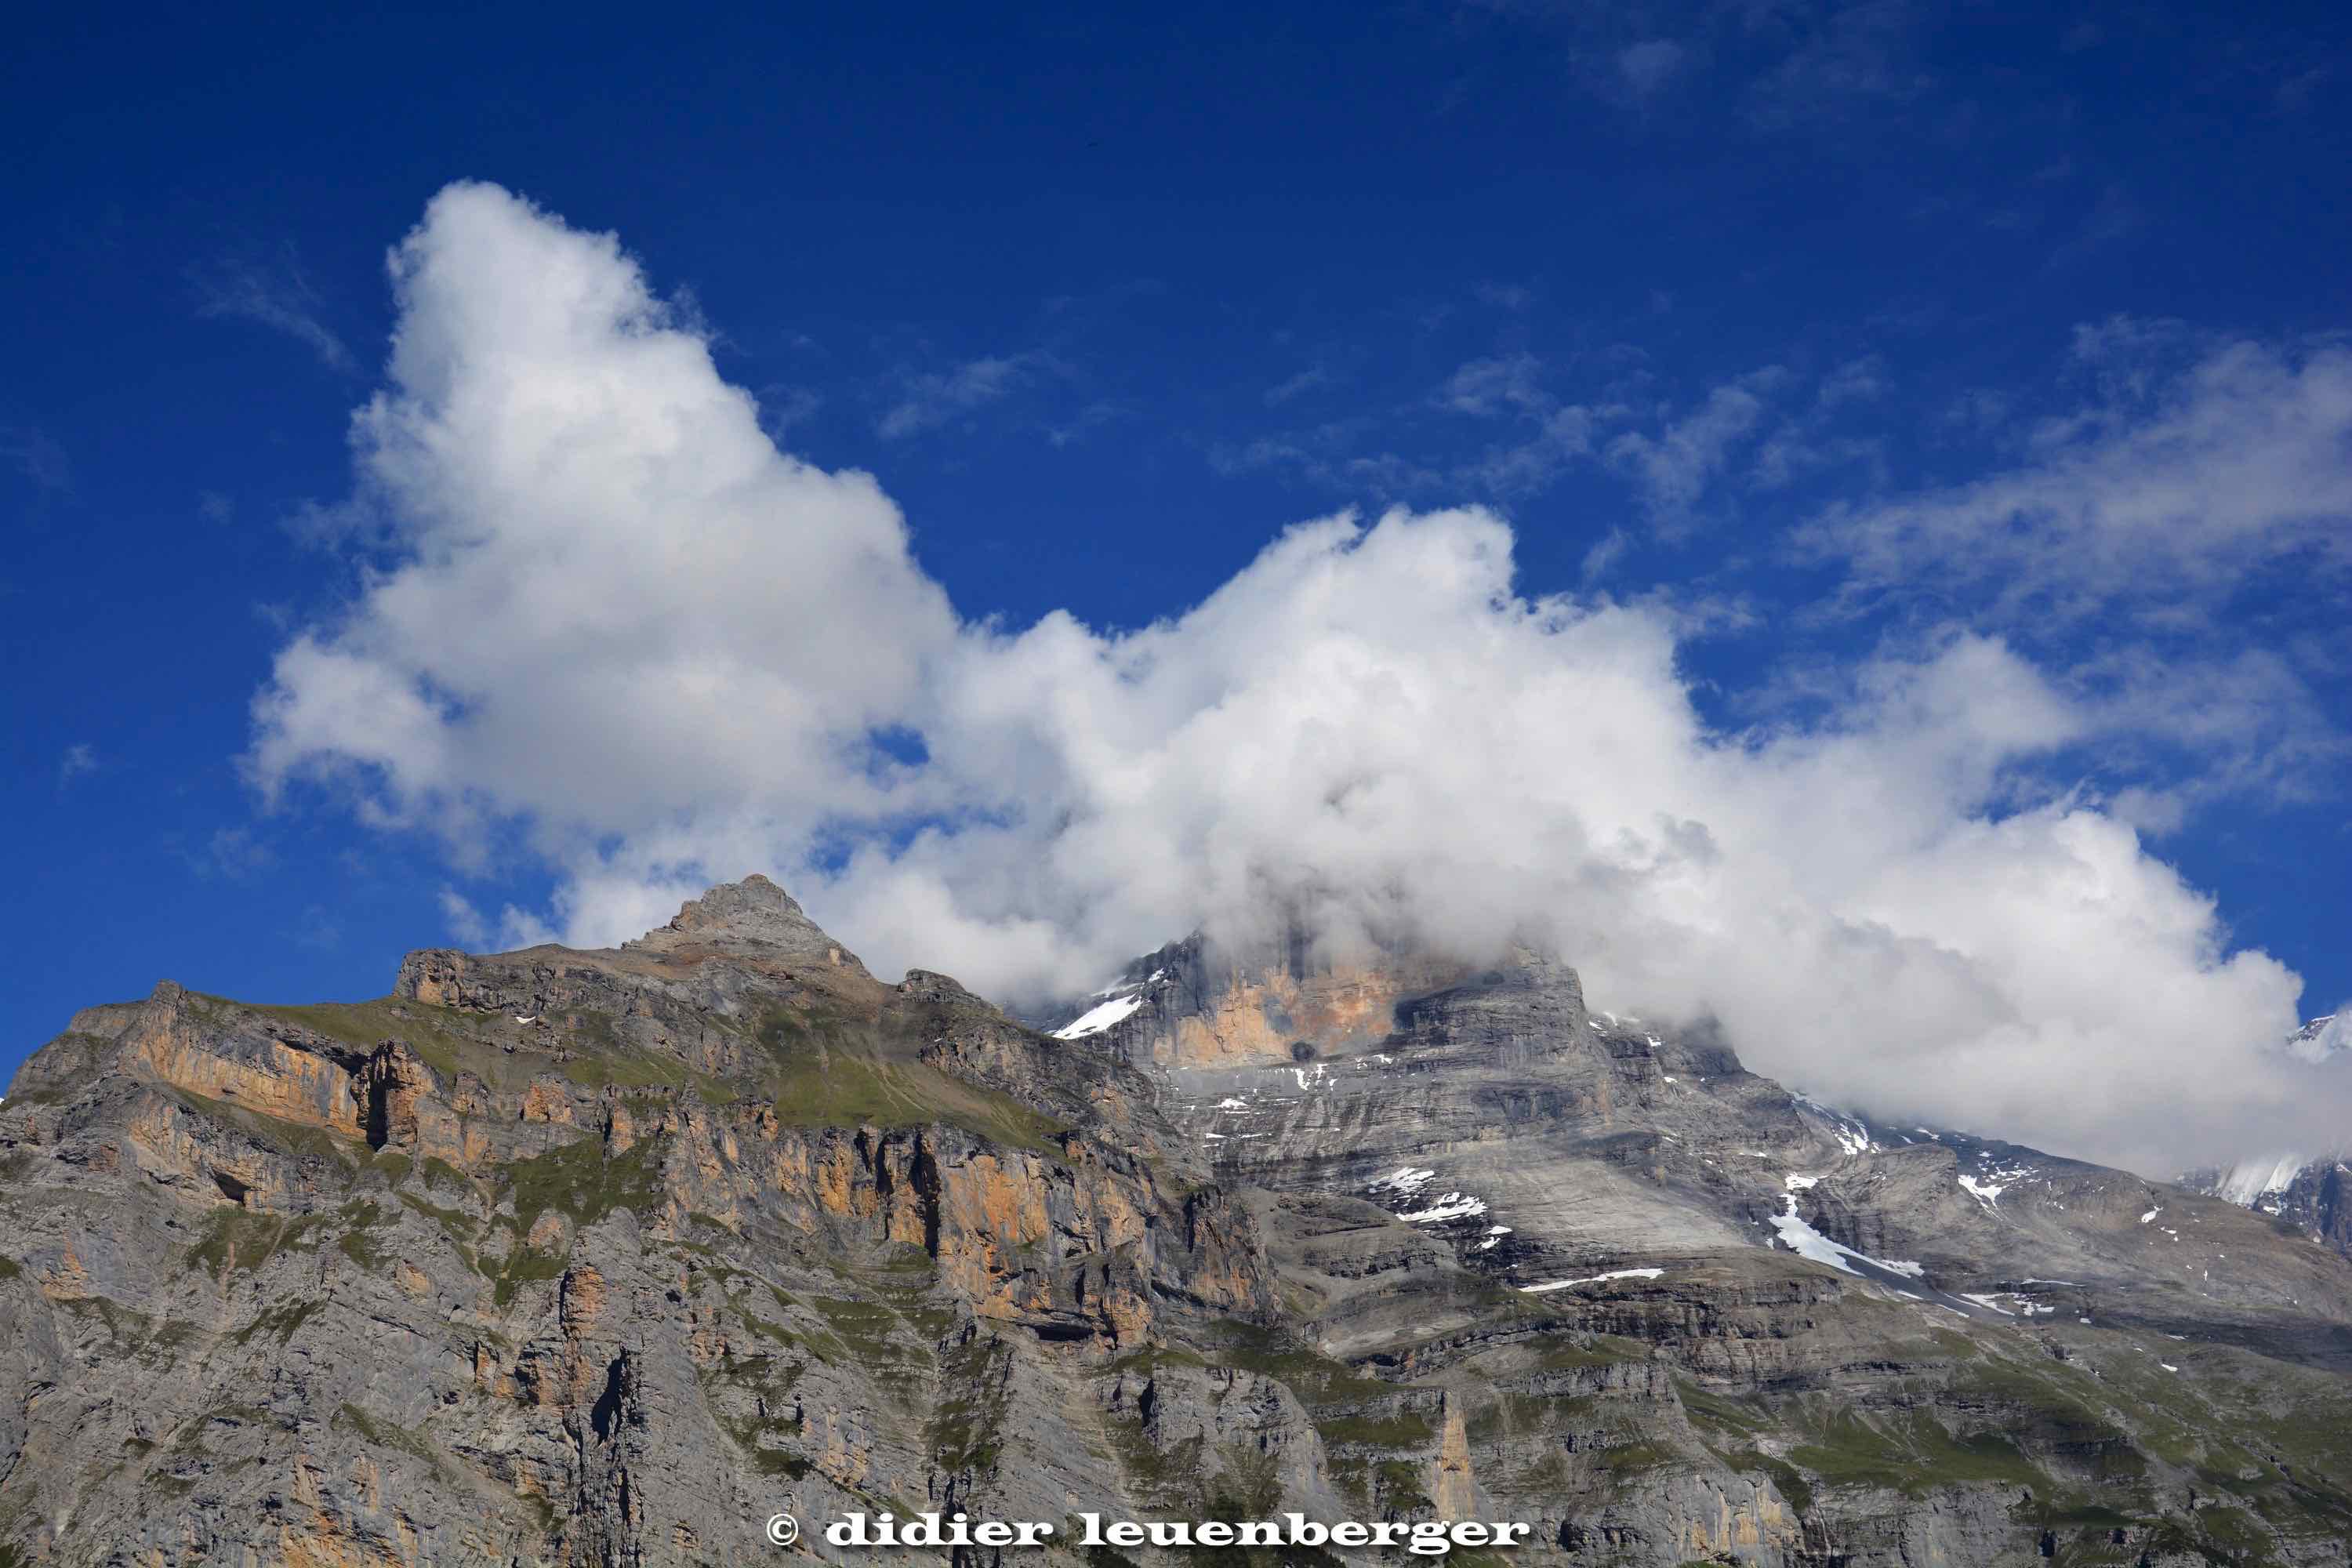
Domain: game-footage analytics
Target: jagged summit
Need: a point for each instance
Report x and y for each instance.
(749, 916)
(751, 901)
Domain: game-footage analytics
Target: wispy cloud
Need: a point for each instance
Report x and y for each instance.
(1648, 65)
(273, 290)
(1307, 379)
(1504, 384)
(37, 456)
(233, 853)
(2195, 464)
(782, 407)
(1536, 460)
(1504, 296)
(1341, 455)
(1781, 64)
(925, 400)
(79, 759)
(1547, 436)
(1672, 467)
(1833, 58)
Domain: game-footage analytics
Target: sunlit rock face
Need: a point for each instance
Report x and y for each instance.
(558, 1257)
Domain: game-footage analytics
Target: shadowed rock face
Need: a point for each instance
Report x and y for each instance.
(565, 1258)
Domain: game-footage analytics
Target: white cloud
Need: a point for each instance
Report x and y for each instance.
(2195, 464)
(516, 928)
(617, 613)
(78, 759)
(614, 601)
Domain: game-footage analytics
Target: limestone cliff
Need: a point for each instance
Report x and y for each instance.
(602, 1257)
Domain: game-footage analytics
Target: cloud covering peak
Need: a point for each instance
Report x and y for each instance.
(610, 612)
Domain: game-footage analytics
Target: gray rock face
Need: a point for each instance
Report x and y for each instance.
(603, 1258)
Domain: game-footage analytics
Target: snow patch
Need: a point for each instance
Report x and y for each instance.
(1094, 1020)
(1453, 1206)
(1850, 1135)
(1551, 1285)
(1986, 1193)
(1806, 1242)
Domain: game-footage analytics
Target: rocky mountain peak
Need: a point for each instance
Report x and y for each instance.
(752, 917)
(745, 905)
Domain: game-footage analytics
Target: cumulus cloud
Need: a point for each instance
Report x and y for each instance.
(614, 616)
(612, 602)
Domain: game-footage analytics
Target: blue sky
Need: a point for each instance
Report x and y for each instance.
(1832, 339)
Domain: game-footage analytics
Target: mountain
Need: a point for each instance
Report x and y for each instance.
(2321, 1039)
(558, 1257)
(2306, 1191)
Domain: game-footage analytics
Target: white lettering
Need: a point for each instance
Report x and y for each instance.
(1422, 1539)
(1429, 1539)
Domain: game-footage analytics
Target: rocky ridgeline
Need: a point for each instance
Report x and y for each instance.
(602, 1257)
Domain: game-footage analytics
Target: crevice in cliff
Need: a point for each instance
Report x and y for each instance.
(606, 1416)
